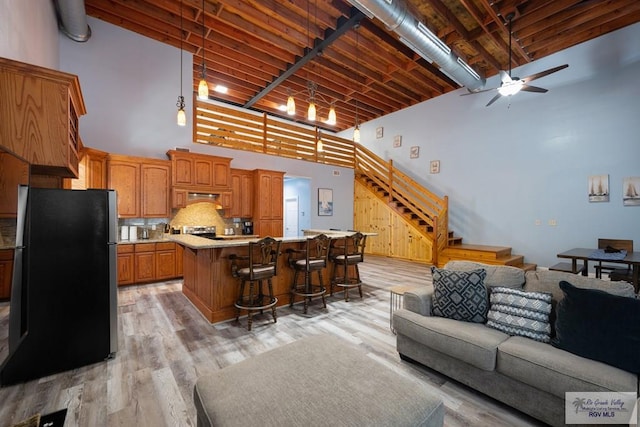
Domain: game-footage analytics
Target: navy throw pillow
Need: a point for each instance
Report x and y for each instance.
(599, 326)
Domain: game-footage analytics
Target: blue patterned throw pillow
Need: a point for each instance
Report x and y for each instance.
(460, 295)
(521, 313)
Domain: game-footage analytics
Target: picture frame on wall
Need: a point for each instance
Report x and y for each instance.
(325, 202)
(414, 152)
(379, 132)
(631, 191)
(599, 188)
(397, 141)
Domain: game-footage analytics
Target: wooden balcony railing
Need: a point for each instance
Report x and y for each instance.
(244, 130)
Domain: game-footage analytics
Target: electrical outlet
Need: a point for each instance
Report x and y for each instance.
(553, 222)
(537, 222)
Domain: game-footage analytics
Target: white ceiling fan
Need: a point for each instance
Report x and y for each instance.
(511, 85)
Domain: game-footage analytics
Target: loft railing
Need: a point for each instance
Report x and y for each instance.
(260, 133)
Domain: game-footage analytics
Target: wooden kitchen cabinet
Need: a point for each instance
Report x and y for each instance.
(268, 203)
(126, 265)
(40, 117)
(13, 172)
(145, 262)
(165, 260)
(241, 194)
(142, 186)
(6, 271)
(199, 172)
(179, 260)
(92, 170)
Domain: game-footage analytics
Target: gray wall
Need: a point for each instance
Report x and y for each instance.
(506, 167)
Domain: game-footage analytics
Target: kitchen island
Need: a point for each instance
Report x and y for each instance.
(208, 282)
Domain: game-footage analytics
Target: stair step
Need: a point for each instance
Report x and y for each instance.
(469, 251)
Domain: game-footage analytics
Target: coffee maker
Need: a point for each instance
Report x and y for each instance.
(247, 227)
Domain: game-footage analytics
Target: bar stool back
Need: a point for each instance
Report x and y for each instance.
(261, 264)
(313, 257)
(344, 256)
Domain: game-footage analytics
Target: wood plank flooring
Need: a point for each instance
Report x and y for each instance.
(165, 344)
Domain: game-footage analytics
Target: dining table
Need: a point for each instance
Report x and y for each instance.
(631, 259)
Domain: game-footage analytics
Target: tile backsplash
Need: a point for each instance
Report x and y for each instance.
(203, 213)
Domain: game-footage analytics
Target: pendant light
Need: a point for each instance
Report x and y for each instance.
(203, 87)
(182, 116)
(356, 130)
(291, 104)
(319, 145)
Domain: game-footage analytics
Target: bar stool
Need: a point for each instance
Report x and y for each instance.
(313, 257)
(261, 264)
(348, 255)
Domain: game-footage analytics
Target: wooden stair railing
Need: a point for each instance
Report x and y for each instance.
(425, 209)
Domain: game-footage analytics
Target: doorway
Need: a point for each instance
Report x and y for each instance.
(297, 205)
(291, 217)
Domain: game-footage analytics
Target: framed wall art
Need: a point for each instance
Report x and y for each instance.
(397, 141)
(379, 132)
(325, 202)
(414, 152)
(599, 188)
(631, 191)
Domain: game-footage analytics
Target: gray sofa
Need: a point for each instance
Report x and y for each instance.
(528, 375)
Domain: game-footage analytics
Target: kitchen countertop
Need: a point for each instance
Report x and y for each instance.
(195, 242)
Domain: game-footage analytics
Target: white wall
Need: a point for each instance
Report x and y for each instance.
(130, 86)
(506, 166)
(29, 32)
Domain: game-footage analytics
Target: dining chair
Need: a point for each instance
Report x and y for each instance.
(619, 271)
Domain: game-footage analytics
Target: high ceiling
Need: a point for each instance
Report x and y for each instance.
(251, 46)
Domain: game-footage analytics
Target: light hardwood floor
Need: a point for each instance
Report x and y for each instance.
(165, 344)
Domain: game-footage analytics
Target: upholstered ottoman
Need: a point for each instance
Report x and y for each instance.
(316, 381)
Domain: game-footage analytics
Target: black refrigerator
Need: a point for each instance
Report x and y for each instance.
(63, 310)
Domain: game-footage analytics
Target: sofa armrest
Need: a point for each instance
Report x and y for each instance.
(419, 300)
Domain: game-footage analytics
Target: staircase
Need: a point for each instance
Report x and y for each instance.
(426, 212)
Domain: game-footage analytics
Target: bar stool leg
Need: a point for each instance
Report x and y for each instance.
(324, 301)
(292, 294)
(240, 300)
(271, 297)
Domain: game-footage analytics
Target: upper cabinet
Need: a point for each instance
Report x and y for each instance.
(92, 170)
(268, 197)
(200, 172)
(241, 194)
(141, 184)
(39, 112)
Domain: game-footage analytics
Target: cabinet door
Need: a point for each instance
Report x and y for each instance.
(246, 196)
(125, 269)
(277, 190)
(235, 211)
(13, 172)
(263, 194)
(155, 190)
(203, 172)
(221, 174)
(96, 173)
(165, 264)
(183, 171)
(178, 198)
(124, 177)
(6, 271)
(145, 264)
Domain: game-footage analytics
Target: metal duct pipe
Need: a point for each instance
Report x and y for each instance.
(413, 33)
(72, 19)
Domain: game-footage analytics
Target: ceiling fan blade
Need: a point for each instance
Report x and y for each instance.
(529, 88)
(494, 99)
(544, 73)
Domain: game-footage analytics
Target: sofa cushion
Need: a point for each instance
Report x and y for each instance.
(497, 275)
(516, 312)
(557, 371)
(548, 281)
(472, 343)
(600, 326)
(460, 295)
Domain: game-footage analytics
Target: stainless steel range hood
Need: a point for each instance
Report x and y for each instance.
(413, 33)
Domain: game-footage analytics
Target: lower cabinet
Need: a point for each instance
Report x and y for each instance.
(6, 271)
(148, 262)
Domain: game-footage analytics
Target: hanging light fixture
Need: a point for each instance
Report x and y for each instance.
(182, 116)
(291, 104)
(203, 87)
(313, 95)
(356, 130)
(319, 145)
